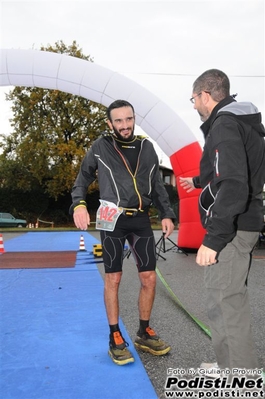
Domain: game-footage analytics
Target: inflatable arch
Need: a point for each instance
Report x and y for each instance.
(35, 68)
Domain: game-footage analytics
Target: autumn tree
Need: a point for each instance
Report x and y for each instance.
(52, 130)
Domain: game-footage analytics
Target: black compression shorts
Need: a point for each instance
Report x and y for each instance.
(137, 231)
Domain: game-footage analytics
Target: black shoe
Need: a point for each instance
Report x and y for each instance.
(150, 342)
(118, 349)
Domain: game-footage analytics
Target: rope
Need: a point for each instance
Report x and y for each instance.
(199, 322)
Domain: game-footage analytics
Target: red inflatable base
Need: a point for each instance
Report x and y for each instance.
(185, 163)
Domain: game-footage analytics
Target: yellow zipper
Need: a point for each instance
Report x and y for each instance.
(133, 176)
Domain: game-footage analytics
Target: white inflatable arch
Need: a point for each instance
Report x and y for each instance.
(35, 68)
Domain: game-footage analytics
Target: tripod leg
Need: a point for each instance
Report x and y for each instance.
(126, 254)
(176, 246)
(158, 242)
(159, 255)
(164, 243)
(161, 242)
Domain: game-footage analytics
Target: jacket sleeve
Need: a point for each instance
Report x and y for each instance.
(160, 196)
(196, 181)
(229, 185)
(86, 176)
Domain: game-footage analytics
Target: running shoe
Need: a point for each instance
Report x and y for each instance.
(118, 349)
(150, 342)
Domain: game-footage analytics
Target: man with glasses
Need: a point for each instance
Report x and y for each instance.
(129, 179)
(232, 176)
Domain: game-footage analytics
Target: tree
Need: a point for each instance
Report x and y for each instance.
(52, 132)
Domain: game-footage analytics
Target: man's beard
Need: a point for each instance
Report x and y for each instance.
(121, 138)
(204, 116)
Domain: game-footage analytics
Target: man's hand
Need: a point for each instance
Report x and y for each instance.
(81, 218)
(167, 227)
(186, 183)
(206, 256)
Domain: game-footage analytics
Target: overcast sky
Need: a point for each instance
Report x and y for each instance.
(162, 45)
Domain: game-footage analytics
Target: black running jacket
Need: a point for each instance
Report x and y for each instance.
(232, 172)
(117, 182)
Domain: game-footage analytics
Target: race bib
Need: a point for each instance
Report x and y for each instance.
(107, 216)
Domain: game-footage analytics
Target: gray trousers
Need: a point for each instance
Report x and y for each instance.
(228, 304)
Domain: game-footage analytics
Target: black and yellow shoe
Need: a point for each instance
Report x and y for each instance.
(150, 342)
(118, 349)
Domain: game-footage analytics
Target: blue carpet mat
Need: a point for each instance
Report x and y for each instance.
(52, 241)
(49, 349)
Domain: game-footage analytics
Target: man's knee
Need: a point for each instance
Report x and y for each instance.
(112, 279)
(148, 279)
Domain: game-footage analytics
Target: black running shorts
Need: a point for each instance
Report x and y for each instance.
(139, 234)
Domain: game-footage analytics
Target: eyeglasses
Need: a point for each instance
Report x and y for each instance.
(192, 99)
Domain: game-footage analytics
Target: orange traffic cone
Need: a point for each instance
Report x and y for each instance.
(82, 244)
(2, 250)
